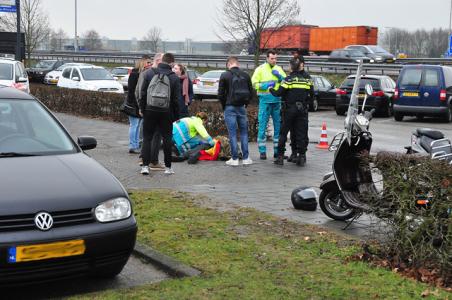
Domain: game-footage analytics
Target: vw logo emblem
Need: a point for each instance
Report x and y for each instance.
(44, 221)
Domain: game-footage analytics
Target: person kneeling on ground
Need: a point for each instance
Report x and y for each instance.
(190, 137)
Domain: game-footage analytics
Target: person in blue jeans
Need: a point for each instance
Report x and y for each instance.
(235, 91)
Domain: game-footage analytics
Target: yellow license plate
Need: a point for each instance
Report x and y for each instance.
(46, 251)
(361, 95)
(208, 83)
(410, 94)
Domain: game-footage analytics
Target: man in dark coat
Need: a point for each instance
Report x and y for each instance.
(155, 118)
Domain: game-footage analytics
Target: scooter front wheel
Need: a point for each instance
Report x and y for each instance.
(333, 205)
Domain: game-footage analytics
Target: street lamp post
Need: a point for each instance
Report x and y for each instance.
(18, 36)
(75, 37)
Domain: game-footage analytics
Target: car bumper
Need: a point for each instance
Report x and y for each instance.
(107, 246)
(50, 81)
(423, 110)
(377, 103)
(36, 77)
(204, 91)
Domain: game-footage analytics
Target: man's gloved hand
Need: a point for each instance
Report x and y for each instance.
(276, 73)
(267, 85)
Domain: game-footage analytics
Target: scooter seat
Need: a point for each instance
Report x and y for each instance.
(431, 133)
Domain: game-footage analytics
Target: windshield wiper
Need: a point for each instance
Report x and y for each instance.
(16, 154)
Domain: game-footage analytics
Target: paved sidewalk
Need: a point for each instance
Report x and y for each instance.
(263, 185)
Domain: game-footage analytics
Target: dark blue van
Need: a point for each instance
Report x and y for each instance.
(424, 90)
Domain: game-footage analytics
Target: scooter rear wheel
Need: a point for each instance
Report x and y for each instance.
(333, 205)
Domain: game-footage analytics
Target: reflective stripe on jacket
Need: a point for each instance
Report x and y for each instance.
(187, 128)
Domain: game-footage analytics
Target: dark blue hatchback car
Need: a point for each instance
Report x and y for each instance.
(424, 90)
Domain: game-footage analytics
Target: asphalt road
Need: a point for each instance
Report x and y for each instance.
(388, 135)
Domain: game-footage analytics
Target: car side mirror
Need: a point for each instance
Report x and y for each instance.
(76, 78)
(21, 79)
(87, 142)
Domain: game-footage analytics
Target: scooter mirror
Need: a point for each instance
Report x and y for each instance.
(369, 89)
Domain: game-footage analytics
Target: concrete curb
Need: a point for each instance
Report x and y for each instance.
(164, 262)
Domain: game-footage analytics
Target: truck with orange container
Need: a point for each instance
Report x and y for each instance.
(320, 40)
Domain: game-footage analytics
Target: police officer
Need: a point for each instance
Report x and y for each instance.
(293, 138)
(295, 91)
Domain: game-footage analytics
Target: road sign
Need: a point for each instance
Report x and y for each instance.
(7, 5)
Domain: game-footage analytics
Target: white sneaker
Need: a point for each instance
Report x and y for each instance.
(145, 170)
(233, 162)
(247, 161)
(169, 171)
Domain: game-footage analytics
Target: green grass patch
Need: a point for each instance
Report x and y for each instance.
(245, 254)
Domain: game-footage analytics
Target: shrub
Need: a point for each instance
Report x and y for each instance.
(106, 106)
(418, 237)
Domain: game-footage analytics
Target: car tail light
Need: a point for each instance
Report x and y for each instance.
(396, 94)
(196, 81)
(378, 94)
(442, 95)
(341, 92)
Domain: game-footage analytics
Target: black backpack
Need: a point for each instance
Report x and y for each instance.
(239, 91)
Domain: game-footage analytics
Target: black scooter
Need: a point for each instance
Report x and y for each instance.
(341, 189)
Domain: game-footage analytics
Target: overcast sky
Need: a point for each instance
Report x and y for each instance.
(195, 19)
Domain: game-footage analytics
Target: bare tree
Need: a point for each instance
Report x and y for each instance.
(246, 20)
(92, 40)
(33, 21)
(152, 39)
(57, 39)
(418, 43)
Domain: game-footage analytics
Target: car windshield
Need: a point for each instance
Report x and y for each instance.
(96, 74)
(378, 49)
(45, 64)
(27, 128)
(349, 82)
(355, 53)
(212, 74)
(120, 71)
(61, 68)
(6, 72)
(411, 77)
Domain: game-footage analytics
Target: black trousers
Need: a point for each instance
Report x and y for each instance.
(157, 122)
(296, 121)
(155, 147)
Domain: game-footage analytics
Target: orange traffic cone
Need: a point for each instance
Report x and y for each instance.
(323, 143)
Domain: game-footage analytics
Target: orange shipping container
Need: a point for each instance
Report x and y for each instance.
(324, 40)
(288, 37)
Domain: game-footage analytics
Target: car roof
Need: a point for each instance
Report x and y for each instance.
(369, 76)
(7, 92)
(89, 67)
(123, 68)
(423, 66)
(8, 61)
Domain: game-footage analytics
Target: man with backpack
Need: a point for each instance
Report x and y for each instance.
(235, 91)
(159, 107)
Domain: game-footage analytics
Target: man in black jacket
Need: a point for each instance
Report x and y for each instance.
(155, 118)
(295, 91)
(235, 91)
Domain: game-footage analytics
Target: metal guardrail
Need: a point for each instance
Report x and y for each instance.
(313, 64)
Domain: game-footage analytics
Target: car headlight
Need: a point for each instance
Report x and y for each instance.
(113, 210)
(40, 73)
